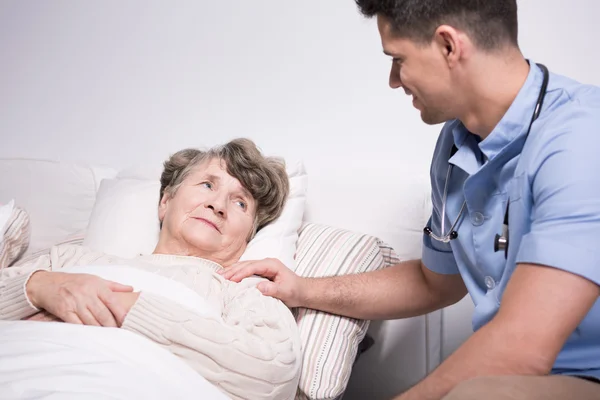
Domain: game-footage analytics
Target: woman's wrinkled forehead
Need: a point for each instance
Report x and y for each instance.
(215, 170)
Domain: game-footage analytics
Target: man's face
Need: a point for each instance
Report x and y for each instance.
(422, 71)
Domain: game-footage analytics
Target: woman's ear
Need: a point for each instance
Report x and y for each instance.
(163, 205)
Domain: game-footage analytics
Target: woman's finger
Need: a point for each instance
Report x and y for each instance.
(42, 316)
(86, 317)
(111, 301)
(102, 314)
(118, 287)
(72, 318)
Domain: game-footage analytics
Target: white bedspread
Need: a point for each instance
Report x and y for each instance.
(52, 360)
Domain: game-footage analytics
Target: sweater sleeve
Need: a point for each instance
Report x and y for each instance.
(252, 352)
(14, 303)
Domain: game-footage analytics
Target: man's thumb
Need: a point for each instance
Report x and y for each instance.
(267, 288)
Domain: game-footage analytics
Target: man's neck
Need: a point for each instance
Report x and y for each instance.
(494, 82)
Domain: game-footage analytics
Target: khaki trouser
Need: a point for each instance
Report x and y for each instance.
(555, 387)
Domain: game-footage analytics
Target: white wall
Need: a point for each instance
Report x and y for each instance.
(154, 77)
(123, 82)
(120, 82)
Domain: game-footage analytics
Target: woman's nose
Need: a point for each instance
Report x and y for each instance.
(217, 206)
(395, 81)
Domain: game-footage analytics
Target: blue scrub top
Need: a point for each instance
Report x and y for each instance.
(553, 182)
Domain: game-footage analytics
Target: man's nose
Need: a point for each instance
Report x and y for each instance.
(395, 81)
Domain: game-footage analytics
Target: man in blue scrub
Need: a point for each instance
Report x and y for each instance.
(519, 151)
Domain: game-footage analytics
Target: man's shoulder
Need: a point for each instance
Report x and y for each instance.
(569, 98)
(569, 116)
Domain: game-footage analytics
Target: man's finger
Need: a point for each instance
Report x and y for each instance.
(228, 272)
(118, 287)
(263, 270)
(240, 274)
(114, 305)
(102, 314)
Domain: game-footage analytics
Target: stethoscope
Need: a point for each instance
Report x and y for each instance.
(500, 241)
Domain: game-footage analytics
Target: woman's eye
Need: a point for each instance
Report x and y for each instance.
(241, 204)
(207, 185)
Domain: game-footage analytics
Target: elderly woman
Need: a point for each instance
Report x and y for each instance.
(211, 205)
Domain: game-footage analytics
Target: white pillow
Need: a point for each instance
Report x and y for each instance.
(5, 213)
(124, 221)
(57, 196)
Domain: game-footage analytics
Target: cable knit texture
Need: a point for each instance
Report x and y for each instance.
(251, 352)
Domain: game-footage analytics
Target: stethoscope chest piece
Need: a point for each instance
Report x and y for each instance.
(501, 241)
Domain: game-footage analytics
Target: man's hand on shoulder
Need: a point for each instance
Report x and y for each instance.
(283, 283)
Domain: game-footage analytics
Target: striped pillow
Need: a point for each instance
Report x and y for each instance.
(15, 238)
(330, 342)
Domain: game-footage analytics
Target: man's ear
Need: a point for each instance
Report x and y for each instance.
(450, 43)
(163, 205)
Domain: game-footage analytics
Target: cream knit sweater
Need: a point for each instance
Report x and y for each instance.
(252, 353)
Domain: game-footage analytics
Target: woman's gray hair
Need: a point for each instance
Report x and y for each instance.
(264, 177)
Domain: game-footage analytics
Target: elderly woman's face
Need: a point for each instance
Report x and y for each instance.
(210, 216)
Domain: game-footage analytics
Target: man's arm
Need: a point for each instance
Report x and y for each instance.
(404, 290)
(541, 307)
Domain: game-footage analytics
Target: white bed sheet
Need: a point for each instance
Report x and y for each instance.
(52, 360)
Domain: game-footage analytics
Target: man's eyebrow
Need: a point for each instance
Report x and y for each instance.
(389, 54)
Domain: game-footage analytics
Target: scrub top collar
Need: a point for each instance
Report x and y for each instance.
(512, 126)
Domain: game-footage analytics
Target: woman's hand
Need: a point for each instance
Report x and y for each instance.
(126, 299)
(43, 316)
(285, 285)
(78, 298)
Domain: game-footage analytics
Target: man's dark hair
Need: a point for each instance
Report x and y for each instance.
(491, 24)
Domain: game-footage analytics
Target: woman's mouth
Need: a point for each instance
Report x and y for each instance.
(209, 223)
